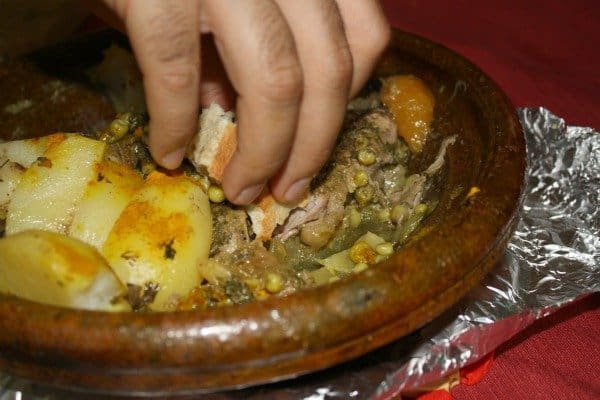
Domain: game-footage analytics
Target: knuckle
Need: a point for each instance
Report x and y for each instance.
(172, 35)
(338, 67)
(280, 73)
(178, 77)
(282, 81)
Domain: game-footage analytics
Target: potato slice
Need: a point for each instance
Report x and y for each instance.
(10, 175)
(26, 152)
(50, 189)
(15, 157)
(161, 238)
(54, 269)
(103, 201)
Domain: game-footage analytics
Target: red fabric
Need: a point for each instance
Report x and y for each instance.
(557, 358)
(542, 53)
(473, 373)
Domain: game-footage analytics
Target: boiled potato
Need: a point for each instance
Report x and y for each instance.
(48, 192)
(26, 152)
(10, 175)
(15, 157)
(54, 269)
(103, 201)
(161, 238)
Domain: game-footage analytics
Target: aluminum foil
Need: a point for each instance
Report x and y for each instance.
(552, 260)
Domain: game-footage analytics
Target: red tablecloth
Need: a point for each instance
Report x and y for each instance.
(542, 53)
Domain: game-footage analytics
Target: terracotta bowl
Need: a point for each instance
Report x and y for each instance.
(279, 338)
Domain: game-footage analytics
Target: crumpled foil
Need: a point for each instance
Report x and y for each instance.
(552, 260)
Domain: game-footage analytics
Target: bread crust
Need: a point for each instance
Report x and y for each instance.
(211, 150)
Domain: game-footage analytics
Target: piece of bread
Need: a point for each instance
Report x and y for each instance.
(266, 214)
(214, 145)
(210, 151)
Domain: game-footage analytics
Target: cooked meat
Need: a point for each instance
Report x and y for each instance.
(230, 229)
(367, 145)
(315, 209)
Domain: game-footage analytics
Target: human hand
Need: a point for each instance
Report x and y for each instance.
(293, 66)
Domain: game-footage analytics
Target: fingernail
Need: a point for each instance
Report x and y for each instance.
(297, 190)
(248, 194)
(173, 159)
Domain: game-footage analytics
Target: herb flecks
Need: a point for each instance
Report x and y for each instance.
(140, 297)
(169, 250)
(44, 162)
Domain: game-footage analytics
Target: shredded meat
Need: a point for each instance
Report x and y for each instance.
(230, 229)
(373, 131)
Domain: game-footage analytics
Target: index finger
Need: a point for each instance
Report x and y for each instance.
(166, 41)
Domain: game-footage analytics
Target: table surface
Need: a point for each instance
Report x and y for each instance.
(542, 53)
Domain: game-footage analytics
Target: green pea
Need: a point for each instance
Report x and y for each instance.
(216, 194)
(366, 157)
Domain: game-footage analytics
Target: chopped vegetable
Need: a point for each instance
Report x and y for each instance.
(355, 218)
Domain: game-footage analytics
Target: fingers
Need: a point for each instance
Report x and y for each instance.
(292, 64)
(327, 69)
(368, 34)
(259, 55)
(166, 41)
